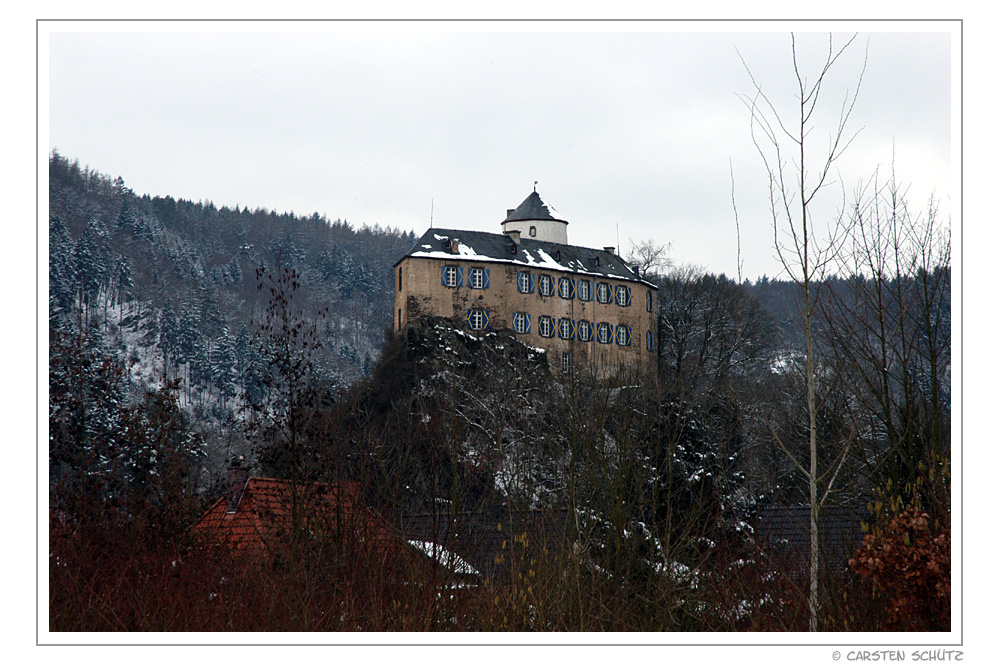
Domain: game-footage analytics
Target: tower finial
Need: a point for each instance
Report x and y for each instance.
(535, 188)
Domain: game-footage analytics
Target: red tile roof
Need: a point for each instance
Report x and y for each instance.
(263, 518)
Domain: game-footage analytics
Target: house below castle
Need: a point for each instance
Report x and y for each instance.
(585, 307)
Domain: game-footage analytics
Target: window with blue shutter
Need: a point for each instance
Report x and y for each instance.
(565, 329)
(604, 333)
(567, 288)
(478, 319)
(546, 327)
(624, 336)
(479, 278)
(545, 286)
(451, 276)
(522, 323)
(603, 293)
(583, 289)
(623, 296)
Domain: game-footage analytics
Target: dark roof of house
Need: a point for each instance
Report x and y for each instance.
(535, 254)
(494, 542)
(784, 531)
(533, 208)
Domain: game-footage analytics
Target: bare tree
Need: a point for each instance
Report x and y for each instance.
(782, 142)
(709, 328)
(889, 326)
(649, 257)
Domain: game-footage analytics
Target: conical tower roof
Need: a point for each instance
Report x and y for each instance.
(534, 208)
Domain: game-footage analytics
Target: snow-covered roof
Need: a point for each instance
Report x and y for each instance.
(536, 254)
(445, 557)
(534, 208)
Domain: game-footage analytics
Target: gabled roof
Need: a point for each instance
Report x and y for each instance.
(534, 208)
(263, 517)
(493, 541)
(535, 254)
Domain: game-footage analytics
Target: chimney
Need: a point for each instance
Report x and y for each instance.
(514, 235)
(238, 477)
(510, 211)
(609, 250)
(453, 244)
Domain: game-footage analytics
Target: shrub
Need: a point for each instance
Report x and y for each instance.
(910, 565)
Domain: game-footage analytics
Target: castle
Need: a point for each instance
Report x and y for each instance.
(585, 307)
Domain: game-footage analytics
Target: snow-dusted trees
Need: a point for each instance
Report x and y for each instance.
(92, 269)
(86, 410)
(62, 269)
(222, 363)
(108, 459)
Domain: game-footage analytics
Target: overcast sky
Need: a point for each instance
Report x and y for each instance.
(631, 134)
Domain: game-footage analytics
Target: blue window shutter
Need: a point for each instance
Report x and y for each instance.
(486, 278)
(468, 318)
(459, 276)
(572, 287)
(574, 329)
(444, 275)
(628, 336)
(628, 300)
(486, 319)
(531, 283)
(527, 323)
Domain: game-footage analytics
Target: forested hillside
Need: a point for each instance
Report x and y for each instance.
(188, 270)
(170, 288)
